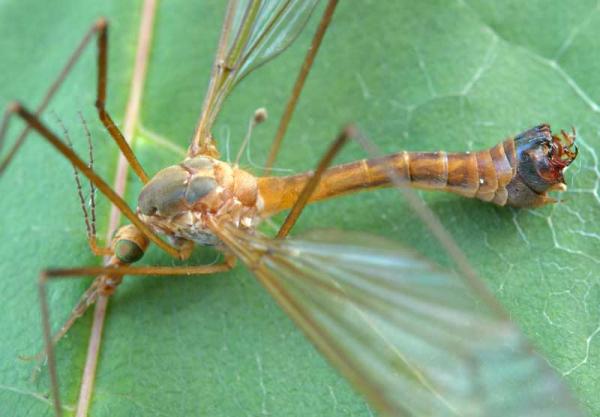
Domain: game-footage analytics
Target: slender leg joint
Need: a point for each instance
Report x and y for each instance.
(351, 131)
(14, 107)
(101, 24)
(109, 284)
(48, 341)
(229, 262)
(185, 250)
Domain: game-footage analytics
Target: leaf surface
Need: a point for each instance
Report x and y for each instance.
(456, 76)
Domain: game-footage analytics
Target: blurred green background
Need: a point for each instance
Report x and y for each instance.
(430, 75)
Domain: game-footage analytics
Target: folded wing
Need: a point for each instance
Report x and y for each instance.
(414, 339)
(254, 32)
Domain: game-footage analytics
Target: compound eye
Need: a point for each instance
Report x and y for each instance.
(128, 251)
(198, 188)
(164, 193)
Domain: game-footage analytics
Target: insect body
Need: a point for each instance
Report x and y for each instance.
(399, 328)
(179, 200)
(517, 172)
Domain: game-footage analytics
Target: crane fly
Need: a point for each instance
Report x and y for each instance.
(399, 328)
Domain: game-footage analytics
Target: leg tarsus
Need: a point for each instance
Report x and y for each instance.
(54, 387)
(104, 273)
(86, 300)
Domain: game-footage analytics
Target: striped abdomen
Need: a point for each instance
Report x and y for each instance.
(516, 172)
(483, 174)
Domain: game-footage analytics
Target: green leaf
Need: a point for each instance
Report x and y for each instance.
(451, 75)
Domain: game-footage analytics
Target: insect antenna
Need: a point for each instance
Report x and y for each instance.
(69, 142)
(91, 166)
(89, 216)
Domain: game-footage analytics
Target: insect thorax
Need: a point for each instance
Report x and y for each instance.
(180, 200)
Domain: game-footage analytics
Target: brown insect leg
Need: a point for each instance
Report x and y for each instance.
(101, 103)
(36, 124)
(86, 300)
(131, 119)
(47, 97)
(433, 223)
(94, 292)
(3, 128)
(310, 186)
(293, 100)
(101, 29)
(118, 271)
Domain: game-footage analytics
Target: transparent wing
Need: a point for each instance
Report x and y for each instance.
(414, 339)
(254, 32)
(263, 30)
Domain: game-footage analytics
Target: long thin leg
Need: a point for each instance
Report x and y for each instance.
(60, 146)
(95, 291)
(89, 297)
(131, 119)
(85, 301)
(309, 188)
(99, 28)
(46, 99)
(432, 221)
(293, 100)
(101, 105)
(53, 274)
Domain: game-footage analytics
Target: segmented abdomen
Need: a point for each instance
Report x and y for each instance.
(484, 174)
(518, 172)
